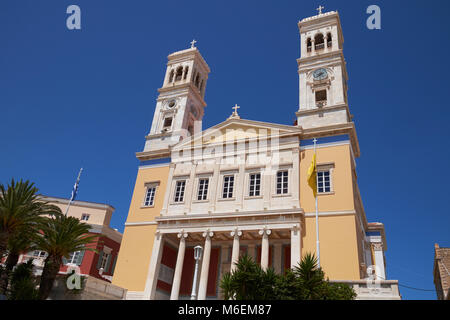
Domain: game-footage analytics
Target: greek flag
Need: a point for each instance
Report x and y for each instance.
(75, 187)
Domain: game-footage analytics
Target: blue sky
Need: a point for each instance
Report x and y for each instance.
(71, 99)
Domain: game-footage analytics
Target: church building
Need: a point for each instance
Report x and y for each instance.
(241, 186)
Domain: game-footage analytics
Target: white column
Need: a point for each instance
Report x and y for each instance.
(277, 257)
(296, 244)
(179, 266)
(379, 260)
(205, 266)
(235, 254)
(153, 269)
(190, 188)
(265, 248)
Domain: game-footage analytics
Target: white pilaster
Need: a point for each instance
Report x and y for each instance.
(168, 192)
(153, 269)
(190, 188)
(205, 266)
(265, 248)
(179, 266)
(379, 260)
(235, 254)
(296, 244)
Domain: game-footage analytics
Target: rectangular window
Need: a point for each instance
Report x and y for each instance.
(321, 96)
(255, 185)
(179, 191)
(282, 182)
(167, 123)
(104, 260)
(73, 257)
(85, 217)
(39, 254)
(228, 185)
(149, 199)
(202, 189)
(323, 181)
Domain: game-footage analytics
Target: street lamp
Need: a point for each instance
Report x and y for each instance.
(197, 256)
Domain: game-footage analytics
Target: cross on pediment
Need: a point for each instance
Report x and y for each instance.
(320, 9)
(193, 42)
(235, 108)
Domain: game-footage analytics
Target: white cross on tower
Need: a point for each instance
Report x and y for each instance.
(235, 108)
(193, 42)
(320, 9)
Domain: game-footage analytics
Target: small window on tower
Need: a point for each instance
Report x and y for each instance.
(197, 80)
(329, 41)
(179, 74)
(167, 123)
(321, 97)
(172, 73)
(186, 70)
(318, 42)
(308, 45)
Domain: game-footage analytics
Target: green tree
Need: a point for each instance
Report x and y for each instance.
(60, 236)
(20, 210)
(305, 282)
(249, 281)
(23, 284)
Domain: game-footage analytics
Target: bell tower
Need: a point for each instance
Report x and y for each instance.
(180, 104)
(322, 72)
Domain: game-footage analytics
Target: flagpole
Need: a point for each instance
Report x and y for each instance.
(74, 191)
(317, 213)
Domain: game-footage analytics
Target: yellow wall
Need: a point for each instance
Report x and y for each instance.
(342, 199)
(137, 242)
(339, 250)
(134, 257)
(338, 245)
(137, 213)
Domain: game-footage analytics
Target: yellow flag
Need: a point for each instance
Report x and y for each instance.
(312, 175)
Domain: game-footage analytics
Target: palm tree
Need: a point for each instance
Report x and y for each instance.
(60, 236)
(249, 281)
(20, 210)
(20, 207)
(310, 277)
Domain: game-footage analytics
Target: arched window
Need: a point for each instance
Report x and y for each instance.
(172, 73)
(329, 41)
(186, 70)
(308, 45)
(201, 86)
(197, 80)
(318, 41)
(179, 73)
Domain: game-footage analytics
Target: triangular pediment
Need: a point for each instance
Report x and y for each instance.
(236, 129)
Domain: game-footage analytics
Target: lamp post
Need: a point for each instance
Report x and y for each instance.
(197, 256)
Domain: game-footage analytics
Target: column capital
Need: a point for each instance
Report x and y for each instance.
(378, 246)
(296, 227)
(208, 234)
(182, 234)
(265, 232)
(236, 233)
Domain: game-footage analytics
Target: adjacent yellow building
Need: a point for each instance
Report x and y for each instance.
(241, 186)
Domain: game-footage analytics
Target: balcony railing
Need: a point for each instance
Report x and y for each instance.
(319, 46)
(373, 290)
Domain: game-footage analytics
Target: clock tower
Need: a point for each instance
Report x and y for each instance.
(180, 104)
(322, 73)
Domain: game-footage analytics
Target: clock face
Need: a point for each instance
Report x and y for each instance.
(320, 74)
